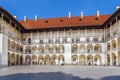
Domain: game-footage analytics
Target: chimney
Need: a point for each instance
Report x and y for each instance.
(81, 14)
(25, 18)
(117, 7)
(15, 17)
(36, 17)
(98, 13)
(69, 14)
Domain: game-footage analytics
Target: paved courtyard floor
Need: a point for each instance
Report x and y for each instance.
(60, 73)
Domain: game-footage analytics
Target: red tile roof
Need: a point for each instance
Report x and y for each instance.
(64, 22)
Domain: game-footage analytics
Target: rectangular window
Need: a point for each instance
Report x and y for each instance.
(88, 39)
(41, 41)
(29, 40)
(96, 40)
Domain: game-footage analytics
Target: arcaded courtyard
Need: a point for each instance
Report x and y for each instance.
(60, 73)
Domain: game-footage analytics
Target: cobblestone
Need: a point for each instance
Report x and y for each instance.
(60, 73)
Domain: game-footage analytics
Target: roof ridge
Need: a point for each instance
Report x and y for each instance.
(67, 17)
(75, 21)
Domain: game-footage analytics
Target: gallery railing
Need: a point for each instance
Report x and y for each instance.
(65, 40)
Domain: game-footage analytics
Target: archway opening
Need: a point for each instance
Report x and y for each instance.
(82, 49)
(113, 59)
(118, 42)
(119, 58)
(41, 49)
(82, 60)
(74, 48)
(28, 60)
(89, 48)
(61, 49)
(9, 63)
(47, 60)
(17, 59)
(40, 60)
(34, 49)
(21, 60)
(47, 49)
(113, 44)
(74, 59)
(54, 49)
(108, 59)
(12, 60)
(90, 59)
(97, 59)
(61, 59)
(53, 59)
(28, 50)
(97, 48)
(34, 60)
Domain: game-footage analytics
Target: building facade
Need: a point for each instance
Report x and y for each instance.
(81, 40)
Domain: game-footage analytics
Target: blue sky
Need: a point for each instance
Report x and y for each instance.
(57, 8)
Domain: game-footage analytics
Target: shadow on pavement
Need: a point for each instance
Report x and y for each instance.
(50, 76)
(111, 78)
(41, 76)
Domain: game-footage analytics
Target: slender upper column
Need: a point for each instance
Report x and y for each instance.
(31, 37)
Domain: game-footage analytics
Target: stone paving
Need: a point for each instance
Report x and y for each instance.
(60, 73)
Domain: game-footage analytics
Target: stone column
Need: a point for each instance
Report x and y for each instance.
(86, 62)
(93, 35)
(118, 24)
(111, 63)
(51, 37)
(24, 59)
(31, 38)
(19, 41)
(104, 34)
(117, 63)
(105, 58)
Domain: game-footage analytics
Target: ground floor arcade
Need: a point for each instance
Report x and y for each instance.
(59, 59)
